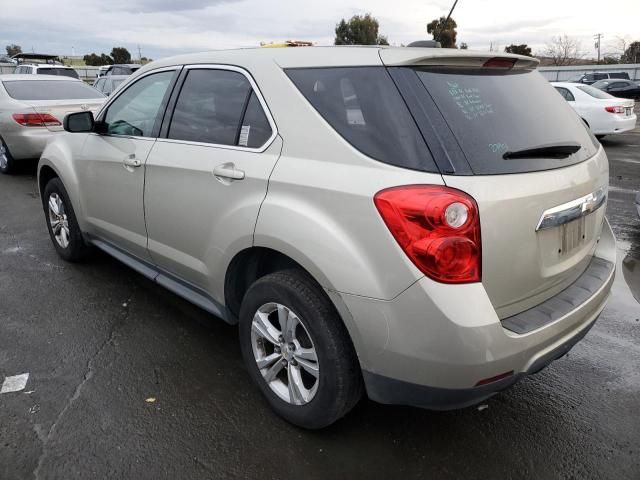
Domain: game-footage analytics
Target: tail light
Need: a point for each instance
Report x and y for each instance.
(500, 62)
(616, 109)
(36, 120)
(437, 227)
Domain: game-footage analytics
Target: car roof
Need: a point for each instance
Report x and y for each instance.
(565, 84)
(8, 77)
(326, 56)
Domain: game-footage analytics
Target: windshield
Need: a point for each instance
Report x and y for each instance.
(594, 92)
(49, 90)
(492, 112)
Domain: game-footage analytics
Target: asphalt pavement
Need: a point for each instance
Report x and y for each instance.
(126, 380)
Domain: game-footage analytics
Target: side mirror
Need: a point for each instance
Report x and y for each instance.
(79, 122)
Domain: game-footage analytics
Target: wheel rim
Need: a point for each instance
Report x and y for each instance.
(58, 220)
(4, 160)
(285, 353)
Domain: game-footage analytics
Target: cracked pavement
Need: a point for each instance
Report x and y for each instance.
(98, 340)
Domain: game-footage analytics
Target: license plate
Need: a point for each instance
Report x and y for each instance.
(573, 235)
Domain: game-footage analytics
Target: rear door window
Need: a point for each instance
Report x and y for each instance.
(566, 94)
(210, 107)
(364, 106)
(493, 112)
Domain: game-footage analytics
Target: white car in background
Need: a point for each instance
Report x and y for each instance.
(603, 113)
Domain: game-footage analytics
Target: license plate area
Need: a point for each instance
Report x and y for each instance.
(627, 111)
(573, 235)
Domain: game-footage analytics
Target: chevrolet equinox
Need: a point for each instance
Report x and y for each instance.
(424, 225)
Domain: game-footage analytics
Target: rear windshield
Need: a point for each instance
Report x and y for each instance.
(594, 92)
(492, 112)
(363, 105)
(64, 72)
(49, 90)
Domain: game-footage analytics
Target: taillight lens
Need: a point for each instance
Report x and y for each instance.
(500, 62)
(36, 119)
(616, 109)
(437, 227)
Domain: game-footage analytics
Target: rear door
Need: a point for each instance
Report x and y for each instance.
(111, 166)
(208, 176)
(501, 120)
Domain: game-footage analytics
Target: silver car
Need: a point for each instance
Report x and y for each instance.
(32, 108)
(424, 225)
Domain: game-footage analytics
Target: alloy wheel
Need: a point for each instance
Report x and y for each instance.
(4, 159)
(285, 353)
(58, 220)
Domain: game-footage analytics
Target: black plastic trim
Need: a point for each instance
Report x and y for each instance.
(580, 291)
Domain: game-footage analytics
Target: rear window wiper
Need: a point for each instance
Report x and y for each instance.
(545, 151)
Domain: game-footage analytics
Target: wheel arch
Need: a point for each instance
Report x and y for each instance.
(253, 263)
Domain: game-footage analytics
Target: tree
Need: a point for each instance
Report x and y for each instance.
(444, 31)
(609, 60)
(522, 49)
(631, 53)
(464, 46)
(13, 49)
(564, 50)
(97, 60)
(359, 30)
(120, 55)
(105, 59)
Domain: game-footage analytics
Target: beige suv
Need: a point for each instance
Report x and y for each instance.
(423, 225)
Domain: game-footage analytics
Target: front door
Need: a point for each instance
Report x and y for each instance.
(111, 166)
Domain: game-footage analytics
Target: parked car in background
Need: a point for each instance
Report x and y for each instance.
(388, 219)
(122, 69)
(107, 84)
(619, 88)
(32, 109)
(42, 64)
(590, 78)
(102, 70)
(604, 114)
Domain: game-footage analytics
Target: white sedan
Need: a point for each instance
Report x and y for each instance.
(603, 113)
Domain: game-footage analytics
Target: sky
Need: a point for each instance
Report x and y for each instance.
(166, 27)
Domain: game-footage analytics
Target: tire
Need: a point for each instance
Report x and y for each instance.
(67, 238)
(318, 329)
(600, 137)
(7, 162)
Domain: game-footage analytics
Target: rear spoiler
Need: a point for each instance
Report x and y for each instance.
(443, 57)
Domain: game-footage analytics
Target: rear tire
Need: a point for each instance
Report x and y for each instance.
(7, 162)
(317, 343)
(62, 224)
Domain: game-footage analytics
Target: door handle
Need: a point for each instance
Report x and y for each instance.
(228, 171)
(132, 161)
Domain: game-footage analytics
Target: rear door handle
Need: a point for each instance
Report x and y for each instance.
(228, 171)
(132, 161)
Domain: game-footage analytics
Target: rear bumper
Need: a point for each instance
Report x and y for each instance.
(617, 124)
(391, 391)
(27, 142)
(433, 344)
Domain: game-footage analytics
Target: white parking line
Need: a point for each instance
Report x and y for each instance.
(14, 383)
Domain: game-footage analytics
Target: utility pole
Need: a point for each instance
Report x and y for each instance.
(597, 38)
(139, 55)
(446, 22)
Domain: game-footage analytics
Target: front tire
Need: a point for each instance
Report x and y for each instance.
(7, 162)
(62, 224)
(298, 351)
